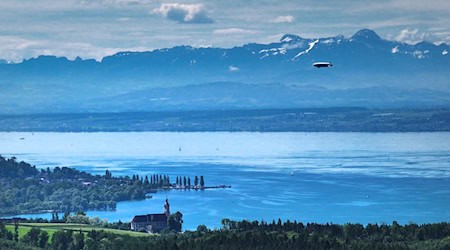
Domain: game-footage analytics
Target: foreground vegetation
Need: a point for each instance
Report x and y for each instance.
(233, 235)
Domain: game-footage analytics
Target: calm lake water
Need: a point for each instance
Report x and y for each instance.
(308, 177)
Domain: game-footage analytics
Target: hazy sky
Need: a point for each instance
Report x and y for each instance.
(96, 28)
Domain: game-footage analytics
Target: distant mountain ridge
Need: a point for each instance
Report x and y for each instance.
(361, 63)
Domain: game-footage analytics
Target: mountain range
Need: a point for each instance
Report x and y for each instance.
(367, 71)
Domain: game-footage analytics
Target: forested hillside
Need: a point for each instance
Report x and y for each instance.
(25, 189)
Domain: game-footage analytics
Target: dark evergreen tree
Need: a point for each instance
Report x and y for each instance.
(43, 239)
(108, 174)
(78, 240)
(16, 231)
(202, 182)
(61, 240)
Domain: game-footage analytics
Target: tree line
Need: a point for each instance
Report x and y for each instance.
(246, 235)
(183, 182)
(163, 181)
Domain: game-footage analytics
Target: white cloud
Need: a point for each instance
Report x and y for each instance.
(15, 49)
(283, 19)
(413, 36)
(184, 13)
(410, 36)
(233, 68)
(235, 31)
(115, 2)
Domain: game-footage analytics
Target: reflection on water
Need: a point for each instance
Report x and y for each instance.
(320, 177)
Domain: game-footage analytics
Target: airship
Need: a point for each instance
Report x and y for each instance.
(322, 64)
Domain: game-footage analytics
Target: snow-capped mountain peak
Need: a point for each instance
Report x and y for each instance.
(290, 39)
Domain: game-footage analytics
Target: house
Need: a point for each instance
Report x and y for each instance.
(152, 223)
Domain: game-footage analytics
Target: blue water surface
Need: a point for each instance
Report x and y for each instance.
(308, 177)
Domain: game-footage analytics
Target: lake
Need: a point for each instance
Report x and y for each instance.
(308, 177)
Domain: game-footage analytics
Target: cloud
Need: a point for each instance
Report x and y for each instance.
(233, 68)
(235, 31)
(413, 36)
(283, 19)
(410, 36)
(115, 2)
(184, 13)
(15, 49)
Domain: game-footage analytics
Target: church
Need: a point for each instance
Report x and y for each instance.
(152, 223)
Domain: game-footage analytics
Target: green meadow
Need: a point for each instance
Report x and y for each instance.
(51, 228)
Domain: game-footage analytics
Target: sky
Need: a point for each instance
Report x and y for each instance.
(97, 28)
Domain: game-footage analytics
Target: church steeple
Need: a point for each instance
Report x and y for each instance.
(167, 208)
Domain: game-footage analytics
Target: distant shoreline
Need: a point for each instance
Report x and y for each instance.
(264, 120)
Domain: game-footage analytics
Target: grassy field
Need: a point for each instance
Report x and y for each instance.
(51, 228)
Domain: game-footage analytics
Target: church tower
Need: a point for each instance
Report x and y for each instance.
(167, 208)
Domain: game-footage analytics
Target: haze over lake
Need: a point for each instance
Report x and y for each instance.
(308, 177)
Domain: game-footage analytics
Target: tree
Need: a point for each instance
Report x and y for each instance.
(189, 182)
(175, 221)
(79, 218)
(61, 240)
(65, 216)
(16, 231)
(43, 239)
(226, 224)
(77, 242)
(108, 174)
(196, 181)
(90, 244)
(202, 182)
(32, 237)
(184, 181)
(81, 213)
(146, 182)
(202, 229)
(105, 243)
